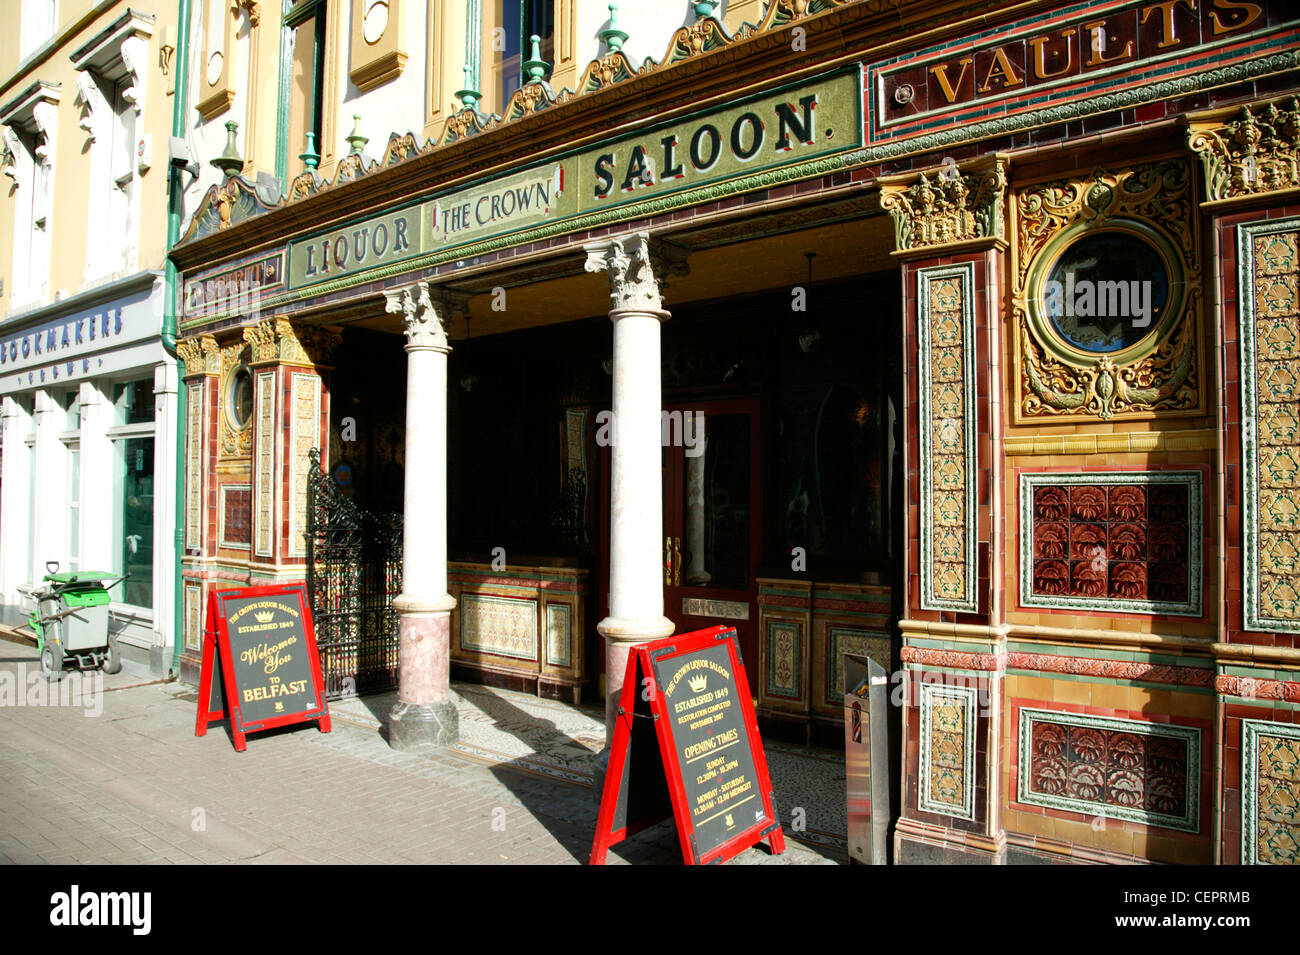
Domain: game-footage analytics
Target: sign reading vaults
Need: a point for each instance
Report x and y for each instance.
(1079, 51)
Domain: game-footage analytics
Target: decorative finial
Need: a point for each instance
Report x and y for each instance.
(355, 139)
(230, 162)
(613, 37)
(310, 158)
(469, 96)
(535, 65)
(704, 8)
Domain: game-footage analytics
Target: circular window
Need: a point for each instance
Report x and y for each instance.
(1109, 291)
(239, 400)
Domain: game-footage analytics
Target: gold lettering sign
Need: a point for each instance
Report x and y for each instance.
(357, 248)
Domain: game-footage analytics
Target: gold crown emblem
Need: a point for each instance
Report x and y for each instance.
(729, 821)
(698, 683)
(264, 616)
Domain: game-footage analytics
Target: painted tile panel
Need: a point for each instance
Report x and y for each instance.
(1106, 766)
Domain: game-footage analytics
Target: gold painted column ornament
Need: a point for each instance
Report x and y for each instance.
(280, 341)
(1250, 151)
(949, 207)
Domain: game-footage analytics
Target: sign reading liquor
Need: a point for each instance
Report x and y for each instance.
(259, 652)
(1079, 52)
(686, 743)
(784, 127)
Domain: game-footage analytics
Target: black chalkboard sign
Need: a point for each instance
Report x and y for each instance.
(686, 743)
(260, 647)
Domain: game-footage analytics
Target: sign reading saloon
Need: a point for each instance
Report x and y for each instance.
(780, 128)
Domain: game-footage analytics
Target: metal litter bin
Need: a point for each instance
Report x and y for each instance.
(866, 755)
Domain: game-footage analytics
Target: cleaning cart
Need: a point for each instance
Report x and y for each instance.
(70, 621)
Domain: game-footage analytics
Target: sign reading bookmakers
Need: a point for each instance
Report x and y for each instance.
(259, 653)
(686, 744)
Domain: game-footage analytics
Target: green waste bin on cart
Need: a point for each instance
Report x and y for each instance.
(70, 621)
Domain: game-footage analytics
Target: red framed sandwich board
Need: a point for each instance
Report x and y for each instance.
(686, 744)
(259, 646)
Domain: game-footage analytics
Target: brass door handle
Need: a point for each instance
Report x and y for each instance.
(677, 561)
(668, 561)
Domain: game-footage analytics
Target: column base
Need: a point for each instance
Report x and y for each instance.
(417, 726)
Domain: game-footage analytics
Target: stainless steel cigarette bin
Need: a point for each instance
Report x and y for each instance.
(866, 756)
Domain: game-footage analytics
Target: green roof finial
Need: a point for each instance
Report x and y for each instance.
(535, 66)
(469, 96)
(613, 37)
(355, 139)
(704, 8)
(230, 162)
(310, 158)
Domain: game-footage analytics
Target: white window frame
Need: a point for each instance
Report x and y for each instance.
(112, 77)
(124, 432)
(30, 131)
(37, 26)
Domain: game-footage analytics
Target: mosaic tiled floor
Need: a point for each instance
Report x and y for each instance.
(560, 741)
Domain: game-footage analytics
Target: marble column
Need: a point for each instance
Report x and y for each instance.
(424, 714)
(637, 267)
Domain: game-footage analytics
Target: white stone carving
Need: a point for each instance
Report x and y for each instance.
(423, 310)
(638, 268)
(87, 95)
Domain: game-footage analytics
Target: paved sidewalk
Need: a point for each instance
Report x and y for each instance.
(134, 785)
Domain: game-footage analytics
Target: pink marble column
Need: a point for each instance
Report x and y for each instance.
(425, 714)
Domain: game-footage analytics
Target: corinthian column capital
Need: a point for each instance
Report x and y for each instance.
(638, 268)
(424, 311)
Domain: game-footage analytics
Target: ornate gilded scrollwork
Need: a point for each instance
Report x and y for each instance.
(1103, 362)
(609, 69)
(949, 207)
(235, 441)
(1251, 154)
(278, 340)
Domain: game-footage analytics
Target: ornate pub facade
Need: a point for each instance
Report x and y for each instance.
(958, 335)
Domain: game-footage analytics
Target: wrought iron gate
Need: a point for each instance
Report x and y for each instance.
(354, 570)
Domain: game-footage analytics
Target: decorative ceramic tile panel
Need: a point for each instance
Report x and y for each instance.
(1268, 272)
(193, 617)
(557, 634)
(784, 657)
(499, 625)
(1106, 766)
(1270, 793)
(1121, 541)
(947, 427)
(194, 413)
(947, 781)
(845, 640)
(264, 469)
(304, 435)
(234, 522)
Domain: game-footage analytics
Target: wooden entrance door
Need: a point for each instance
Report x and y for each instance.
(712, 521)
(712, 517)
